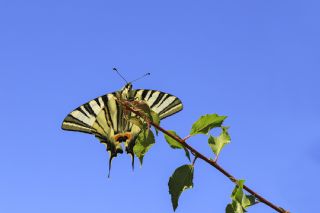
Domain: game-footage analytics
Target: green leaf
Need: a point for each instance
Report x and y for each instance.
(248, 200)
(155, 119)
(206, 123)
(237, 208)
(240, 201)
(217, 143)
(237, 192)
(229, 209)
(181, 180)
(175, 144)
(143, 143)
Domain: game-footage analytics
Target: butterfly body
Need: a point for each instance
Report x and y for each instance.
(107, 119)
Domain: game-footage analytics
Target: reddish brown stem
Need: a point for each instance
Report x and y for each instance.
(211, 162)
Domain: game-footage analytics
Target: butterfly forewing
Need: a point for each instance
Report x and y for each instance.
(162, 103)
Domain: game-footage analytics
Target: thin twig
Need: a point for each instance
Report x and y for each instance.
(209, 161)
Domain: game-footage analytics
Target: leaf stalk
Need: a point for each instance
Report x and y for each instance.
(194, 160)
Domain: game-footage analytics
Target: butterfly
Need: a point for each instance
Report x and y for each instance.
(105, 117)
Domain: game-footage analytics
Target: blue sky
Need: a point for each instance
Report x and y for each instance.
(255, 61)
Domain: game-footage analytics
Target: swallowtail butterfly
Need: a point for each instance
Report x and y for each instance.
(104, 117)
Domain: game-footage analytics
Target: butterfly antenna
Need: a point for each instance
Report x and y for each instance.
(140, 77)
(115, 69)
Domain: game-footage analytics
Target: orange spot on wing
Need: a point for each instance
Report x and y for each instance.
(126, 135)
(129, 135)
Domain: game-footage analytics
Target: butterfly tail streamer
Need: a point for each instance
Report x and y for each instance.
(110, 163)
(132, 162)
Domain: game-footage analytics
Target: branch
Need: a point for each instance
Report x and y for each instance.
(204, 158)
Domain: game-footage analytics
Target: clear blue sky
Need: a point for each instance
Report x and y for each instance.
(254, 61)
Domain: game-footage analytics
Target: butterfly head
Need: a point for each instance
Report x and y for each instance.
(126, 91)
(128, 87)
